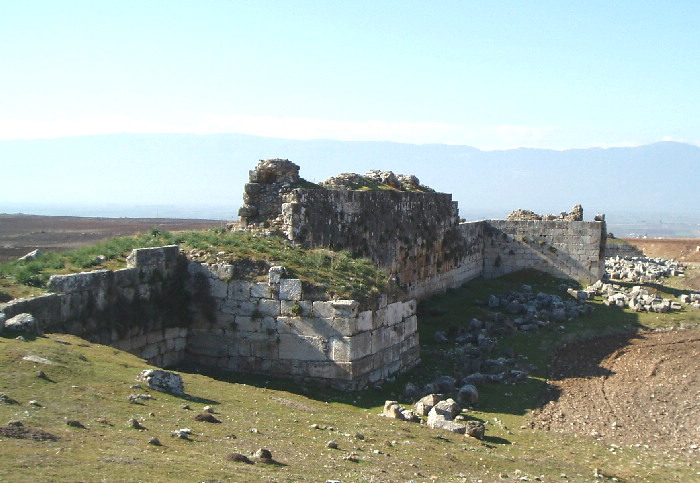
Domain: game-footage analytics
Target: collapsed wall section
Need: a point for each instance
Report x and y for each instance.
(270, 328)
(566, 249)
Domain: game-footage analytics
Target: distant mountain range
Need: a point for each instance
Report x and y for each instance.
(186, 175)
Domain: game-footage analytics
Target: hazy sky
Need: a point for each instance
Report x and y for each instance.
(491, 74)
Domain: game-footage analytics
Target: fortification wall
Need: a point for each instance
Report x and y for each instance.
(414, 237)
(142, 309)
(567, 249)
(271, 328)
(168, 311)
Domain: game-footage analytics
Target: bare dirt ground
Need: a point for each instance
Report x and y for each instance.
(681, 249)
(643, 390)
(20, 234)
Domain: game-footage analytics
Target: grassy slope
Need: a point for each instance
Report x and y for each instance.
(89, 382)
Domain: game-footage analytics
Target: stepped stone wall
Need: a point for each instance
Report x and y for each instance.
(272, 328)
(168, 311)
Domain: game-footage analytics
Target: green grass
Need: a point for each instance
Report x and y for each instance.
(90, 383)
(337, 274)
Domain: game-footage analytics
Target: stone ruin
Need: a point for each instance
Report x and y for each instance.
(576, 214)
(169, 309)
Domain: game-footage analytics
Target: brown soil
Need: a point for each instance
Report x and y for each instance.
(20, 234)
(681, 249)
(628, 390)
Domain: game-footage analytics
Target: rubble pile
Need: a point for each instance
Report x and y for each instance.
(641, 269)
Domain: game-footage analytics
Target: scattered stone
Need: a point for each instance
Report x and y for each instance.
(37, 359)
(239, 458)
(183, 433)
(206, 418)
(208, 409)
(134, 423)
(476, 429)
(5, 399)
(16, 424)
(186, 406)
(33, 255)
(353, 458)
(263, 454)
(41, 375)
(75, 424)
(35, 403)
(468, 395)
(163, 381)
(332, 445)
(154, 441)
(392, 409)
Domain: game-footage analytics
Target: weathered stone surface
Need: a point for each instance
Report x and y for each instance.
(476, 429)
(22, 323)
(163, 381)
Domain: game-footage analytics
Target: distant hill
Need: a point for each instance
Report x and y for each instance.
(190, 174)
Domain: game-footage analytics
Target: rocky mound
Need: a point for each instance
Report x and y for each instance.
(376, 180)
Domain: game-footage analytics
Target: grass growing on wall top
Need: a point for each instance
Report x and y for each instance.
(336, 273)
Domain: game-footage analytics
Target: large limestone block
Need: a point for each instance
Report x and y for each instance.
(290, 289)
(307, 326)
(261, 290)
(303, 348)
(364, 321)
(269, 307)
(239, 290)
(348, 349)
(394, 313)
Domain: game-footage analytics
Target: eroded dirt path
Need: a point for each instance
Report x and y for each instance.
(641, 389)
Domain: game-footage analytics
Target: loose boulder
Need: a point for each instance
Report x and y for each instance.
(163, 381)
(22, 323)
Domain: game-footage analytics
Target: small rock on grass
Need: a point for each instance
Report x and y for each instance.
(134, 423)
(263, 454)
(75, 424)
(154, 441)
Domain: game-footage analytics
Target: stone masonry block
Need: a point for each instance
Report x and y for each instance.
(239, 290)
(269, 307)
(261, 290)
(290, 289)
(303, 348)
(411, 326)
(289, 308)
(218, 288)
(323, 309)
(394, 313)
(364, 321)
(307, 326)
(246, 323)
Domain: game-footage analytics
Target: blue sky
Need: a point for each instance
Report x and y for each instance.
(490, 74)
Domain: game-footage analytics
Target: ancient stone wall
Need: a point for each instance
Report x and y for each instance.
(414, 237)
(567, 249)
(272, 328)
(142, 309)
(168, 311)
